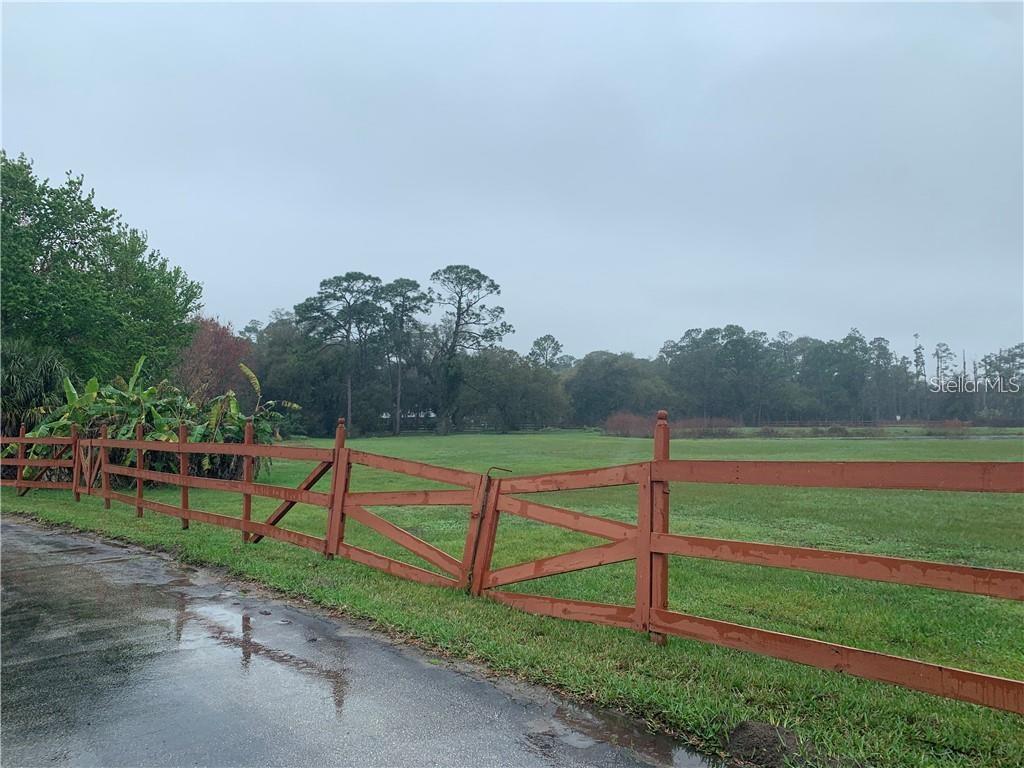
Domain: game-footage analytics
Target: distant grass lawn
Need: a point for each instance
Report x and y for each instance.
(695, 689)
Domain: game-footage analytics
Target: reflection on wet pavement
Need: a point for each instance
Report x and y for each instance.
(116, 656)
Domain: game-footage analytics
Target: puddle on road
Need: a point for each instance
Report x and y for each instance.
(113, 655)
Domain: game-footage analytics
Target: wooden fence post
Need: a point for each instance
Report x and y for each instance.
(19, 471)
(659, 522)
(644, 563)
(140, 460)
(247, 466)
(183, 460)
(485, 545)
(339, 486)
(76, 463)
(104, 477)
(476, 512)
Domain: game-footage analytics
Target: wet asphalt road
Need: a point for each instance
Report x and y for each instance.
(114, 656)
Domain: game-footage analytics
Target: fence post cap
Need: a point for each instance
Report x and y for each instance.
(662, 415)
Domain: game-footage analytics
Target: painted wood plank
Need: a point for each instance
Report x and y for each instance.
(403, 538)
(626, 474)
(411, 498)
(394, 567)
(416, 469)
(561, 608)
(294, 495)
(987, 690)
(604, 554)
(566, 518)
(993, 582)
(292, 452)
(285, 507)
(982, 476)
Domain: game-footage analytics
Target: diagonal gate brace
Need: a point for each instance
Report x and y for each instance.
(312, 479)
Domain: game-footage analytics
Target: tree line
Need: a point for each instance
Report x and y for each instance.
(391, 368)
(84, 293)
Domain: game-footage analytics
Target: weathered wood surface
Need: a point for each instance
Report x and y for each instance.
(411, 498)
(226, 521)
(307, 484)
(415, 469)
(55, 485)
(974, 687)
(403, 538)
(248, 468)
(183, 475)
(23, 440)
(994, 582)
(626, 474)
(294, 495)
(604, 554)
(561, 608)
(341, 458)
(140, 465)
(981, 476)
(592, 525)
(291, 452)
(394, 567)
(48, 463)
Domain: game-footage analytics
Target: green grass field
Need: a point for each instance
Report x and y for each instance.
(696, 690)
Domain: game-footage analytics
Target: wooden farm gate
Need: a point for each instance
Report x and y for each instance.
(648, 542)
(339, 503)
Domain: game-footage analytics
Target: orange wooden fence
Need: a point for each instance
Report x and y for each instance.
(36, 472)
(648, 542)
(338, 503)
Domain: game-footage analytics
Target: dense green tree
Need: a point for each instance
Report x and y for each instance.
(1002, 396)
(401, 302)
(546, 352)
(292, 366)
(344, 313)
(602, 383)
(506, 391)
(80, 281)
(469, 324)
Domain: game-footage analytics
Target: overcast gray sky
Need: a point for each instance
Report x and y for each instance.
(624, 172)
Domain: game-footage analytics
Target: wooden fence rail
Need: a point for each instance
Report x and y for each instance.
(648, 542)
(25, 479)
(338, 504)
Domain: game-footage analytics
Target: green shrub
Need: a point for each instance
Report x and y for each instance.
(160, 409)
(30, 377)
